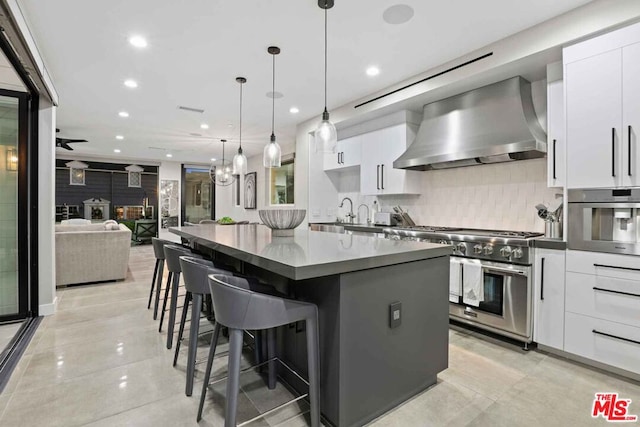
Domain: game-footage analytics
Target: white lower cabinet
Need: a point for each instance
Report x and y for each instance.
(607, 298)
(607, 342)
(548, 302)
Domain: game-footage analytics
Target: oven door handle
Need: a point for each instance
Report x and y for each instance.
(504, 270)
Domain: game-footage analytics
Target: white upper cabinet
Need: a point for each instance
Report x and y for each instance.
(594, 121)
(602, 98)
(348, 154)
(556, 145)
(379, 150)
(631, 115)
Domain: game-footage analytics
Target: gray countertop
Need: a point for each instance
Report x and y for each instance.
(307, 254)
(548, 243)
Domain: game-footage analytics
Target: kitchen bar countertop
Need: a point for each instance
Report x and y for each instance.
(307, 254)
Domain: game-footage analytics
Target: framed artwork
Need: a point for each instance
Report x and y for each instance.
(250, 190)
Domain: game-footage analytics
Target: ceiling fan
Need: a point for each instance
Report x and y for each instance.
(64, 142)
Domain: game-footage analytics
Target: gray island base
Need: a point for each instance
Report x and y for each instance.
(371, 360)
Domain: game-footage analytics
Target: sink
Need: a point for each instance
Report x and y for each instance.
(328, 228)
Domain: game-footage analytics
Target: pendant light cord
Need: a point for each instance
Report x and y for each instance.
(325, 59)
(273, 96)
(241, 116)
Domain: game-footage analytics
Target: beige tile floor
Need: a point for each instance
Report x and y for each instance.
(101, 362)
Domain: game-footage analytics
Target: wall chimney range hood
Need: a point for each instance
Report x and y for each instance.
(495, 123)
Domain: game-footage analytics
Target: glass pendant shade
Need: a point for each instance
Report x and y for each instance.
(272, 157)
(325, 136)
(239, 163)
(221, 172)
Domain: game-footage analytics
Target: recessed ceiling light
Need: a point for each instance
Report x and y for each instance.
(294, 110)
(230, 125)
(116, 150)
(204, 126)
(120, 137)
(373, 71)
(213, 159)
(138, 41)
(169, 155)
(123, 114)
(131, 83)
(397, 14)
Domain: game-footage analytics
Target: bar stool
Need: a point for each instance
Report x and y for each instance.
(158, 272)
(239, 308)
(195, 272)
(172, 254)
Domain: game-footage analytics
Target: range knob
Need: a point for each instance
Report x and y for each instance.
(488, 249)
(517, 253)
(443, 242)
(461, 247)
(477, 249)
(506, 251)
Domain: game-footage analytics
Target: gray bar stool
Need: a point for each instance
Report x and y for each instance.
(172, 254)
(239, 308)
(158, 272)
(195, 272)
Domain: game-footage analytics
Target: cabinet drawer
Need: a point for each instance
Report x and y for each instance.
(620, 347)
(613, 299)
(608, 265)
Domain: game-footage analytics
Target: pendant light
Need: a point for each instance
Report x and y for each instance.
(272, 157)
(325, 136)
(240, 160)
(221, 172)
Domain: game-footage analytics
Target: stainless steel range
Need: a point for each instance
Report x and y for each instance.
(490, 279)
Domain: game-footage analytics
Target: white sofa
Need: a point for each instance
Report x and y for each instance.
(91, 253)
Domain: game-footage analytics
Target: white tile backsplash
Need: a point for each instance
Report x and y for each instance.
(499, 196)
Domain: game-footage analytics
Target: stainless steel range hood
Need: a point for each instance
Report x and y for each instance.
(494, 123)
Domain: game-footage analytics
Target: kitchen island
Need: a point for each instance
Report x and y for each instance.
(370, 362)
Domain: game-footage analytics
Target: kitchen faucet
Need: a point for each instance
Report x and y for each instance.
(368, 219)
(350, 215)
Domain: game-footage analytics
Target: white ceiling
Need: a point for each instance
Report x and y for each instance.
(197, 48)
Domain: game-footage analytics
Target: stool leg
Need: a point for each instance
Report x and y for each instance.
(173, 308)
(257, 346)
(158, 289)
(196, 309)
(271, 353)
(313, 354)
(233, 382)
(153, 283)
(207, 373)
(166, 298)
(183, 320)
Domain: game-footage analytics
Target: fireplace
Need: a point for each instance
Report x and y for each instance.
(97, 209)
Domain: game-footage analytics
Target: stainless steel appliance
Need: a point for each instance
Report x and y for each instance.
(504, 261)
(605, 220)
(385, 218)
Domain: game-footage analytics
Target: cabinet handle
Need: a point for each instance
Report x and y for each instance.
(542, 279)
(616, 292)
(613, 152)
(616, 337)
(554, 159)
(619, 268)
(382, 176)
(342, 157)
(378, 176)
(629, 140)
(338, 158)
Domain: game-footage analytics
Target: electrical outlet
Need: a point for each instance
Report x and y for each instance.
(395, 314)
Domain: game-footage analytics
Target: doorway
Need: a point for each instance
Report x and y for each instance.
(198, 195)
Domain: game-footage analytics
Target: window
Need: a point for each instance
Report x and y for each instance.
(281, 183)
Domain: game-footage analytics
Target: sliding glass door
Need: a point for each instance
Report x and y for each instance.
(14, 283)
(197, 195)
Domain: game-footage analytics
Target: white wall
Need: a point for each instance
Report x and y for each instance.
(46, 208)
(170, 171)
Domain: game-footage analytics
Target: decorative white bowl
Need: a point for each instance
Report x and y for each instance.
(282, 221)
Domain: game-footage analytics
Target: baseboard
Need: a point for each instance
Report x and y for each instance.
(47, 309)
